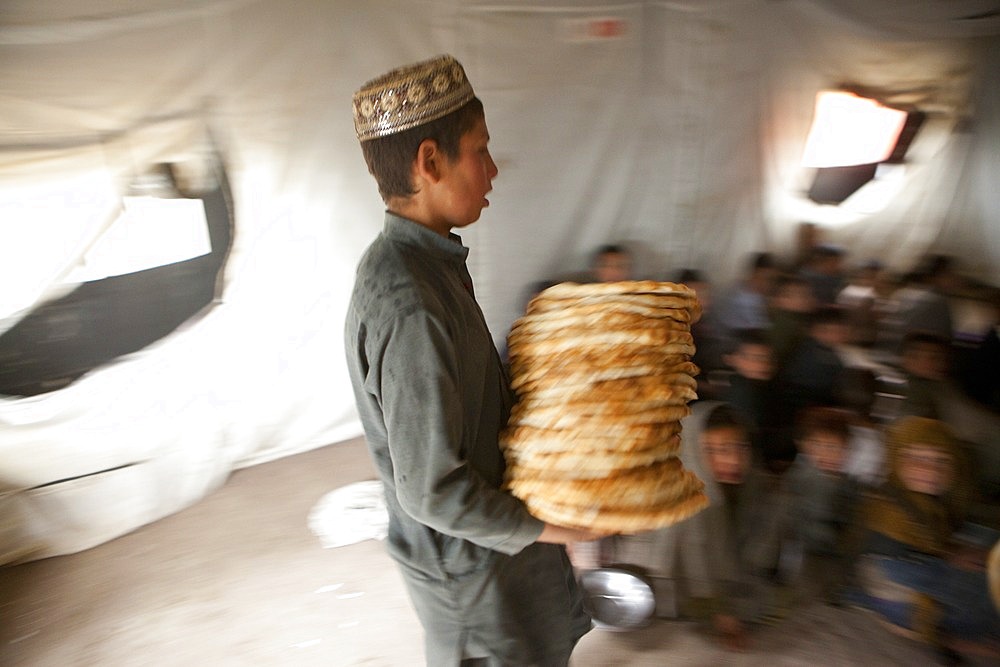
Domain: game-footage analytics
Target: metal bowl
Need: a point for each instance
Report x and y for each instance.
(617, 599)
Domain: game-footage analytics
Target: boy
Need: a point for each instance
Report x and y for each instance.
(823, 499)
(751, 390)
(705, 567)
(911, 572)
(611, 264)
(815, 373)
(791, 305)
(489, 582)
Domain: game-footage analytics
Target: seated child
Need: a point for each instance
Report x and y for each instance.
(703, 567)
(814, 374)
(750, 390)
(791, 304)
(912, 573)
(823, 500)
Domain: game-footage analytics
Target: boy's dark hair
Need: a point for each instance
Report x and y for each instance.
(390, 158)
(762, 260)
(790, 280)
(747, 337)
(726, 416)
(690, 276)
(828, 315)
(915, 338)
(823, 420)
(608, 249)
(827, 250)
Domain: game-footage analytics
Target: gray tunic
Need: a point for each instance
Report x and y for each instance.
(433, 397)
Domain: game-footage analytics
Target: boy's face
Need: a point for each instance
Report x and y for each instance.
(727, 452)
(925, 469)
(612, 267)
(826, 451)
(754, 362)
(466, 180)
(926, 360)
(831, 334)
(795, 299)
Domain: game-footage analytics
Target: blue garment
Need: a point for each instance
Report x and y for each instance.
(967, 612)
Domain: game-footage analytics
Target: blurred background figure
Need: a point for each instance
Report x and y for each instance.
(930, 391)
(707, 332)
(745, 305)
(791, 305)
(912, 572)
(749, 389)
(704, 568)
(825, 273)
(823, 502)
(815, 373)
(923, 303)
(864, 304)
(611, 263)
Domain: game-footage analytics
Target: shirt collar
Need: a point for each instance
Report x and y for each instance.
(414, 234)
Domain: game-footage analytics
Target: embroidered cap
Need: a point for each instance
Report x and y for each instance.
(410, 96)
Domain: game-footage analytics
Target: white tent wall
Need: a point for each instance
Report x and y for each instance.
(678, 132)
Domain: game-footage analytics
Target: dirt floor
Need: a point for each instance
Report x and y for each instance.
(239, 579)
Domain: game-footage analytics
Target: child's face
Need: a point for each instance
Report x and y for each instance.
(466, 180)
(831, 334)
(826, 451)
(612, 267)
(754, 362)
(926, 360)
(795, 299)
(925, 469)
(728, 454)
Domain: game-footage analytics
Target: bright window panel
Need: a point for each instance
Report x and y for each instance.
(851, 130)
(150, 232)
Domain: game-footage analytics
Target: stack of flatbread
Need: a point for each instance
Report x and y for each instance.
(603, 375)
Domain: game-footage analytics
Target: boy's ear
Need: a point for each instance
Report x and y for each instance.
(427, 165)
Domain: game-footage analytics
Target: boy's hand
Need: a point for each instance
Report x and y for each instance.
(553, 534)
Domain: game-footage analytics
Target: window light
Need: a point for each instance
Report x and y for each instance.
(851, 130)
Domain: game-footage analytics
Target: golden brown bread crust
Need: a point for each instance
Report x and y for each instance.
(593, 464)
(555, 341)
(570, 325)
(616, 363)
(616, 520)
(655, 443)
(659, 483)
(629, 388)
(605, 311)
(604, 376)
(559, 418)
(570, 290)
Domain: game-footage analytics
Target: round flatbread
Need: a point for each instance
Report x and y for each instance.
(597, 312)
(654, 485)
(556, 340)
(579, 368)
(570, 290)
(606, 382)
(639, 388)
(542, 304)
(562, 418)
(595, 345)
(596, 453)
(610, 321)
(623, 436)
(593, 464)
(615, 520)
